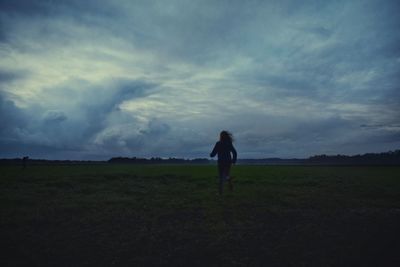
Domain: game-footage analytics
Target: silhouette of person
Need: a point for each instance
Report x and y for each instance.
(224, 148)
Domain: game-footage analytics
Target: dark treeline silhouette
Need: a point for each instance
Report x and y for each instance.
(134, 160)
(272, 161)
(26, 161)
(385, 158)
(158, 160)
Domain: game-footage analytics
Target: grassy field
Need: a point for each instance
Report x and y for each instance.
(127, 215)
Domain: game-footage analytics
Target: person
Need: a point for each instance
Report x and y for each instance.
(224, 148)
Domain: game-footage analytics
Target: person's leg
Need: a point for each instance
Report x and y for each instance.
(227, 170)
(221, 173)
(228, 177)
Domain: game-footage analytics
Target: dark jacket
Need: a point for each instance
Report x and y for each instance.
(224, 149)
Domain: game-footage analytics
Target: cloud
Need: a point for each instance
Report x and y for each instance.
(12, 119)
(96, 79)
(86, 118)
(7, 76)
(54, 116)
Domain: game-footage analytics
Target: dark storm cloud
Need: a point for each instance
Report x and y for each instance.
(143, 139)
(55, 131)
(152, 78)
(55, 8)
(155, 128)
(20, 134)
(23, 7)
(96, 112)
(10, 76)
(7, 76)
(296, 137)
(104, 111)
(54, 116)
(14, 125)
(12, 118)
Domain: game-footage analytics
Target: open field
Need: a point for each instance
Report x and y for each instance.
(128, 215)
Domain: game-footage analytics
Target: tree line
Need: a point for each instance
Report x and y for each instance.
(385, 158)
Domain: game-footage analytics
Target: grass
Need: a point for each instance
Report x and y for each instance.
(86, 215)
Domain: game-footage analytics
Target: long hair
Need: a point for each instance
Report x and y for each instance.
(226, 136)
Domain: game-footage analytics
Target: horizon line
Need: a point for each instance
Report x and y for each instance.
(207, 158)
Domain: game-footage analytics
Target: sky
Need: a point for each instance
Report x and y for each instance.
(97, 79)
